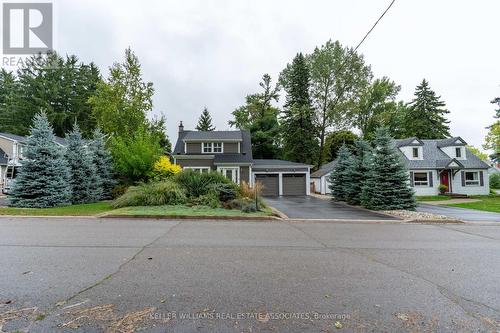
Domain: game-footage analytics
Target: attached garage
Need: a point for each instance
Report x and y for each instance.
(280, 177)
(270, 184)
(294, 184)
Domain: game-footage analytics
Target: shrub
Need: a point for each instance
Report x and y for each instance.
(197, 184)
(248, 192)
(164, 169)
(152, 194)
(244, 204)
(495, 181)
(224, 192)
(119, 190)
(210, 199)
(442, 188)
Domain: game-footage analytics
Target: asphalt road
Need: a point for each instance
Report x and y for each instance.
(94, 275)
(310, 207)
(469, 215)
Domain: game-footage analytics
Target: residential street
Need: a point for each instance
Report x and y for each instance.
(463, 214)
(93, 275)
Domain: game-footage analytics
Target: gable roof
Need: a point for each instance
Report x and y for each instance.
(435, 158)
(413, 141)
(213, 135)
(13, 137)
(22, 139)
(324, 169)
(245, 155)
(455, 141)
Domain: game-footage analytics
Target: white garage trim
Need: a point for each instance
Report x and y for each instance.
(280, 178)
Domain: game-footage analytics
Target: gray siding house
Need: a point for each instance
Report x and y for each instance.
(230, 153)
(430, 163)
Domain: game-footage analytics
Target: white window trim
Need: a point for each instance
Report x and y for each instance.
(196, 168)
(413, 152)
(211, 145)
(460, 150)
(421, 183)
(237, 168)
(472, 183)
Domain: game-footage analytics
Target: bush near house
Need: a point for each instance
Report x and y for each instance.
(495, 181)
(164, 169)
(190, 188)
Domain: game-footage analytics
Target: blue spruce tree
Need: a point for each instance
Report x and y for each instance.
(341, 175)
(359, 172)
(103, 162)
(43, 178)
(84, 182)
(387, 186)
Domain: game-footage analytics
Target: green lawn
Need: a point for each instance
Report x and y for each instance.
(433, 198)
(186, 211)
(77, 210)
(488, 203)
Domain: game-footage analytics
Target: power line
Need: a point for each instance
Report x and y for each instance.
(375, 24)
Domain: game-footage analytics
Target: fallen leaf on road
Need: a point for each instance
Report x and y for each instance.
(338, 324)
(402, 316)
(163, 300)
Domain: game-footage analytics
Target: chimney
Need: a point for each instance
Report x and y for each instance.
(181, 127)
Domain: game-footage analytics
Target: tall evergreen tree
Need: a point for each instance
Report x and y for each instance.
(387, 186)
(44, 174)
(493, 137)
(205, 121)
(9, 90)
(341, 175)
(59, 85)
(298, 130)
(425, 117)
(84, 182)
(260, 117)
(103, 163)
(358, 174)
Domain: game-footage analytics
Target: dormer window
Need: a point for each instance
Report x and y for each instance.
(415, 152)
(212, 147)
(458, 152)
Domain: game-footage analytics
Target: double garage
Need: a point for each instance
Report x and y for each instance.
(281, 177)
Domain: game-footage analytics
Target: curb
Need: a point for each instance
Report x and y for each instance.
(434, 221)
(54, 216)
(188, 217)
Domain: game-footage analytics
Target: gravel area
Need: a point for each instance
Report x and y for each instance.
(412, 215)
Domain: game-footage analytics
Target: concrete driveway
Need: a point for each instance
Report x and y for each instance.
(468, 215)
(310, 207)
(119, 275)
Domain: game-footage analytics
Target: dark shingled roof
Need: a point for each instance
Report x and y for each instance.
(212, 135)
(278, 163)
(324, 169)
(243, 136)
(22, 139)
(451, 142)
(14, 137)
(408, 142)
(435, 158)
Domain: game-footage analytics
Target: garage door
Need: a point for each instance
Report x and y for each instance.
(294, 184)
(270, 183)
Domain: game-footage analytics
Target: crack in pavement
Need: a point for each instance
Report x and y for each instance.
(448, 294)
(109, 276)
(465, 232)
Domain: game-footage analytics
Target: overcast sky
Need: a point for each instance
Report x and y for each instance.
(213, 53)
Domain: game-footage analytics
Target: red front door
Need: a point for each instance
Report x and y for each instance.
(445, 179)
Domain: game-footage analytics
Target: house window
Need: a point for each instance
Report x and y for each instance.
(415, 152)
(212, 147)
(471, 178)
(421, 179)
(198, 169)
(217, 147)
(458, 152)
(207, 147)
